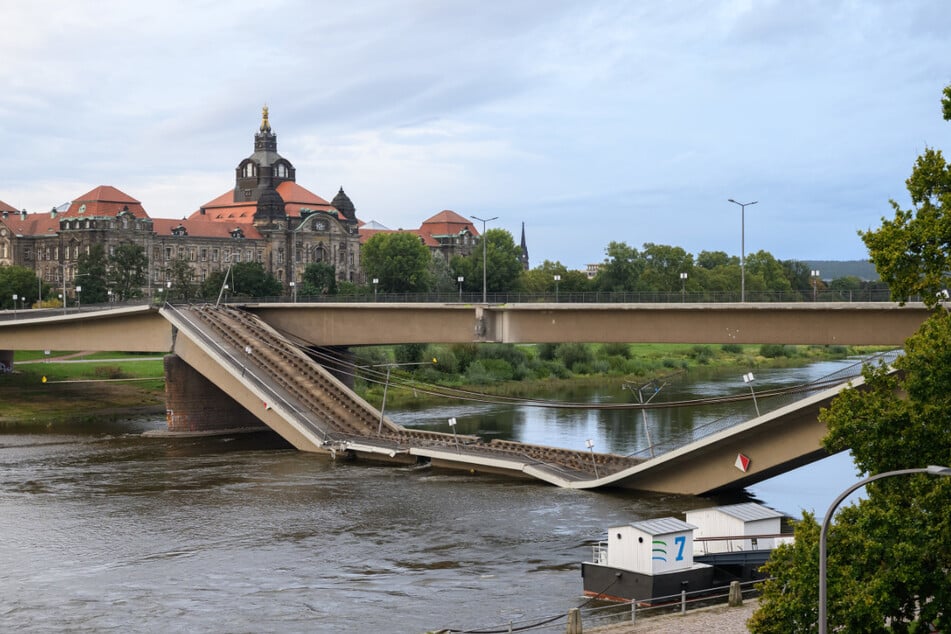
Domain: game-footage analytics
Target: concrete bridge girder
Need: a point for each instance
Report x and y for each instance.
(799, 323)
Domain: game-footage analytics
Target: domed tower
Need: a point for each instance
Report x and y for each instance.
(344, 205)
(265, 169)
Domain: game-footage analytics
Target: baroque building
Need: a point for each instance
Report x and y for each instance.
(266, 218)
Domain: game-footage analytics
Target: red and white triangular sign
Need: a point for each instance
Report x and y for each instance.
(742, 463)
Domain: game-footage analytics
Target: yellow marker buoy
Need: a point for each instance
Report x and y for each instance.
(44, 379)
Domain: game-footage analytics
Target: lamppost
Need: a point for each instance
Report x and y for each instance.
(376, 283)
(79, 304)
(743, 207)
(484, 221)
(15, 298)
(557, 279)
(111, 296)
(294, 292)
(683, 288)
(827, 520)
(815, 284)
(590, 445)
(748, 378)
(460, 279)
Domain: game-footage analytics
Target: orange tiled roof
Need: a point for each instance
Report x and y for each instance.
(446, 223)
(203, 228)
(41, 224)
(5, 207)
(104, 200)
(224, 209)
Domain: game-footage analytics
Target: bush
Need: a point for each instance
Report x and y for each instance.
(465, 354)
(572, 354)
(616, 349)
(732, 348)
(477, 374)
(546, 351)
(409, 352)
(775, 350)
(701, 354)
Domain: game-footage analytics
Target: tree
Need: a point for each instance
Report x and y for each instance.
(503, 269)
(541, 279)
(92, 274)
(182, 278)
(245, 279)
(889, 554)
(912, 252)
(319, 278)
(128, 270)
(19, 281)
(399, 260)
(621, 269)
(663, 265)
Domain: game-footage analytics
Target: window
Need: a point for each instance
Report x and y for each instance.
(280, 255)
(319, 253)
(204, 254)
(168, 253)
(249, 170)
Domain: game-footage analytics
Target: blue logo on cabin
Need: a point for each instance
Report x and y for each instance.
(659, 549)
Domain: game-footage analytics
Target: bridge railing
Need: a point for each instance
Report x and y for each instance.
(589, 297)
(766, 404)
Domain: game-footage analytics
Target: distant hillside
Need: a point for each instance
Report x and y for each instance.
(833, 269)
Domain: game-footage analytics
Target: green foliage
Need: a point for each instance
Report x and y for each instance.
(541, 279)
(889, 554)
(775, 350)
(399, 260)
(503, 269)
(410, 353)
(621, 270)
(319, 278)
(790, 597)
(619, 349)
(245, 279)
(92, 272)
(574, 355)
(912, 251)
(732, 348)
(128, 271)
(19, 281)
(182, 277)
(701, 354)
(546, 351)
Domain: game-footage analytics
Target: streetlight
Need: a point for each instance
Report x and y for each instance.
(15, 298)
(111, 297)
(484, 221)
(79, 304)
(827, 520)
(294, 292)
(749, 378)
(743, 207)
(460, 279)
(557, 279)
(815, 284)
(590, 444)
(376, 282)
(683, 288)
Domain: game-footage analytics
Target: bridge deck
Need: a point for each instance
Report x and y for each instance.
(342, 421)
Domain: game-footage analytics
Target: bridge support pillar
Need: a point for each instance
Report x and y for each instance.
(340, 361)
(195, 404)
(6, 361)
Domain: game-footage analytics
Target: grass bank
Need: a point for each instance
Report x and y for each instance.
(76, 389)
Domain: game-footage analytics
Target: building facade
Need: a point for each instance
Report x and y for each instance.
(267, 218)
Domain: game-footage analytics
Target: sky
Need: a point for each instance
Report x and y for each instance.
(589, 121)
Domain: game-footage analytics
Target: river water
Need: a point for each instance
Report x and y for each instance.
(102, 529)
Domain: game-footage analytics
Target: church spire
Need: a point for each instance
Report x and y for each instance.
(523, 255)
